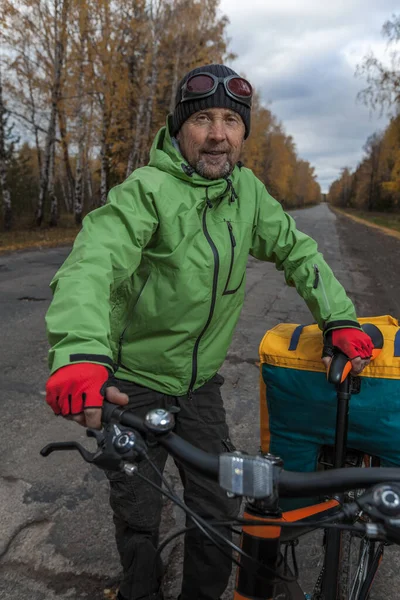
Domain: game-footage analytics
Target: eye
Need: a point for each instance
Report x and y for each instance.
(232, 120)
(202, 118)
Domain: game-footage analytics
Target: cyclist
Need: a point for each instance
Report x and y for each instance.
(145, 306)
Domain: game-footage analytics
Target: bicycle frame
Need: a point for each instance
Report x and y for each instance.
(263, 543)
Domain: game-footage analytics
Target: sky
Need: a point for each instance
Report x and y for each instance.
(301, 56)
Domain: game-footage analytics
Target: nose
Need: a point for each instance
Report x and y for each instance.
(217, 131)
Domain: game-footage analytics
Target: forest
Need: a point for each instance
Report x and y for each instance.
(84, 87)
(375, 183)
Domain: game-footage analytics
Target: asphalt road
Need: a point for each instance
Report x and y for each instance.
(56, 533)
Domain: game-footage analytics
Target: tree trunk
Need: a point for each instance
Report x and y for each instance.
(78, 203)
(7, 209)
(175, 75)
(67, 164)
(87, 175)
(52, 196)
(55, 96)
(133, 159)
(33, 111)
(78, 187)
(104, 153)
(89, 185)
(65, 195)
(151, 95)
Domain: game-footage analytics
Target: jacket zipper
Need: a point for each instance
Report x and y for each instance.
(318, 281)
(213, 298)
(233, 244)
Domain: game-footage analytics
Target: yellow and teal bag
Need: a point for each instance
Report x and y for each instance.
(298, 405)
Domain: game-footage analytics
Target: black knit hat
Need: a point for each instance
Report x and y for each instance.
(220, 99)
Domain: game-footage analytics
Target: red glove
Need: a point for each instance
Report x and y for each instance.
(352, 342)
(73, 388)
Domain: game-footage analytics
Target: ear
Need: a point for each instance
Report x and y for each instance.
(178, 135)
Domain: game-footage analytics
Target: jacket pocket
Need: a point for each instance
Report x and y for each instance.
(319, 284)
(228, 291)
(128, 322)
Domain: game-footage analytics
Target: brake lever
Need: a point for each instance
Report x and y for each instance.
(115, 446)
(56, 446)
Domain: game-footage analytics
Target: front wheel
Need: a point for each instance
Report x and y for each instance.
(357, 564)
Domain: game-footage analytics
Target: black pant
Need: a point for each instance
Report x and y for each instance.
(137, 505)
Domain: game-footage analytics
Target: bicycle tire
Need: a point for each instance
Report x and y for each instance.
(355, 562)
(354, 572)
(357, 553)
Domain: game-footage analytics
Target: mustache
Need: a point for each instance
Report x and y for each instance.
(216, 149)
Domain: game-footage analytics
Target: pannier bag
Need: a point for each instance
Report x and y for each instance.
(298, 405)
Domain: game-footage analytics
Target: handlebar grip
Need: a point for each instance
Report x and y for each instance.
(201, 461)
(114, 412)
(341, 366)
(108, 411)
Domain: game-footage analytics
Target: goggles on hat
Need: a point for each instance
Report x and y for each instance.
(202, 85)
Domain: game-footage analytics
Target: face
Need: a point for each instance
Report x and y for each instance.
(211, 141)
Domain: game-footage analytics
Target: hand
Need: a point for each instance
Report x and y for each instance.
(353, 342)
(77, 392)
(91, 417)
(358, 364)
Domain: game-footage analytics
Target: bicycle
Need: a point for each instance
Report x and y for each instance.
(263, 572)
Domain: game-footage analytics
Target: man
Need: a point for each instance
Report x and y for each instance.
(151, 294)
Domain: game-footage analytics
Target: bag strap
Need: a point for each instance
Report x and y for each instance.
(294, 340)
(397, 344)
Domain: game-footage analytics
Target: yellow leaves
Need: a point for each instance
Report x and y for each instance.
(37, 238)
(375, 184)
(110, 594)
(121, 66)
(271, 154)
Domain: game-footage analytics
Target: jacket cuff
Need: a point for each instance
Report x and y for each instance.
(341, 325)
(62, 359)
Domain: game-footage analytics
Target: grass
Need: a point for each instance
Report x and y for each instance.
(389, 220)
(23, 236)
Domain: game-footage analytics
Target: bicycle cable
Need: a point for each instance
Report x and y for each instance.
(256, 565)
(211, 533)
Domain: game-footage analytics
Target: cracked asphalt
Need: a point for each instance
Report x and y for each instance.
(56, 533)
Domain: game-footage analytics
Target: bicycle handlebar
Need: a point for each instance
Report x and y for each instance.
(255, 476)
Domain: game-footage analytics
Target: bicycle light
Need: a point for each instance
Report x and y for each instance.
(251, 476)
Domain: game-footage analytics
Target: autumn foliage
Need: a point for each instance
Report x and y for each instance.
(89, 82)
(375, 183)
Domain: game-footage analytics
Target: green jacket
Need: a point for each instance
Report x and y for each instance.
(155, 283)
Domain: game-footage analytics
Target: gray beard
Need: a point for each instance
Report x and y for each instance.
(202, 169)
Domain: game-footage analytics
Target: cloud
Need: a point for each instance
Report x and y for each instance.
(301, 57)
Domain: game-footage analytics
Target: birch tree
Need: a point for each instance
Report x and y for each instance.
(7, 209)
(81, 56)
(23, 59)
(107, 69)
(61, 8)
(383, 80)
(156, 24)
